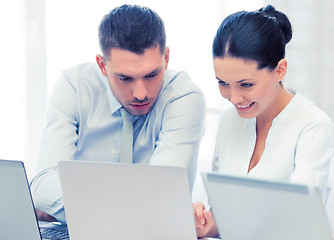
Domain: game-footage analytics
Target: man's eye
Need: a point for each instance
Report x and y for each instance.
(124, 79)
(151, 75)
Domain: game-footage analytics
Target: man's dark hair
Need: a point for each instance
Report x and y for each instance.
(133, 28)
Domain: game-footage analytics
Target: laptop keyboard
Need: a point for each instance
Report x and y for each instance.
(54, 234)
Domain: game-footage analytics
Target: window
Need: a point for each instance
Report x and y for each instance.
(190, 28)
(70, 38)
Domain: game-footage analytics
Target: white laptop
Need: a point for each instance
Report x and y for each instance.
(246, 208)
(126, 201)
(17, 214)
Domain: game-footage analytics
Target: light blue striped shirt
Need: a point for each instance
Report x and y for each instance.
(84, 123)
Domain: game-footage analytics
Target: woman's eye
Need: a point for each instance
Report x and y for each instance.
(247, 85)
(222, 83)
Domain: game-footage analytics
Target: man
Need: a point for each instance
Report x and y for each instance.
(84, 118)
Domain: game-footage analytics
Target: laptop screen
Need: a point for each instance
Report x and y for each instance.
(17, 218)
(130, 201)
(246, 208)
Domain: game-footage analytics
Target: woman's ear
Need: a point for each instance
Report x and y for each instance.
(281, 69)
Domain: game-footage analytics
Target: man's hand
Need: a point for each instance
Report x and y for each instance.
(205, 224)
(42, 216)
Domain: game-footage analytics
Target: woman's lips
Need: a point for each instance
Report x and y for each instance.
(244, 107)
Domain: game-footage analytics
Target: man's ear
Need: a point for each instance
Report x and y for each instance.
(166, 57)
(102, 65)
(281, 69)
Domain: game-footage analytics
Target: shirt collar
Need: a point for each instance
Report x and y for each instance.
(114, 104)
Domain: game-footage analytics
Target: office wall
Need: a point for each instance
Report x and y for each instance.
(310, 56)
(310, 53)
(36, 79)
(12, 80)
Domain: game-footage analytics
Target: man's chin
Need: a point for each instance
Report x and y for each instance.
(140, 112)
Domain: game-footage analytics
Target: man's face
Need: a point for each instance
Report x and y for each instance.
(135, 80)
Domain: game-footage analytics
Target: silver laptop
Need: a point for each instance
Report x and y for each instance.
(246, 208)
(17, 213)
(126, 201)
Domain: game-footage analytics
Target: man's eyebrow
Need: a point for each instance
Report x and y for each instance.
(122, 75)
(127, 76)
(154, 71)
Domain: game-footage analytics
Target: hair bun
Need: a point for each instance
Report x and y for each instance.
(281, 19)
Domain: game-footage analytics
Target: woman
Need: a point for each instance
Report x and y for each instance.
(272, 132)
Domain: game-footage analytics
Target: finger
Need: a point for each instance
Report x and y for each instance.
(199, 218)
(208, 217)
(199, 208)
(198, 223)
(210, 224)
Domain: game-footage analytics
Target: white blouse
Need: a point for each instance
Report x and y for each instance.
(299, 145)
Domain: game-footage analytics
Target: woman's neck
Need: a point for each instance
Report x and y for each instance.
(280, 102)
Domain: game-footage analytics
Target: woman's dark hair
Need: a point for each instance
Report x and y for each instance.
(133, 28)
(258, 35)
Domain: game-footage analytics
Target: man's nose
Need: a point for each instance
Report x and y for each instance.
(140, 90)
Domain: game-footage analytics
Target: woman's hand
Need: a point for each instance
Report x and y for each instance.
(205, 224)
(42, 216)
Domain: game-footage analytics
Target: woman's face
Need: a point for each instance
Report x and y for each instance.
(252, 91)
